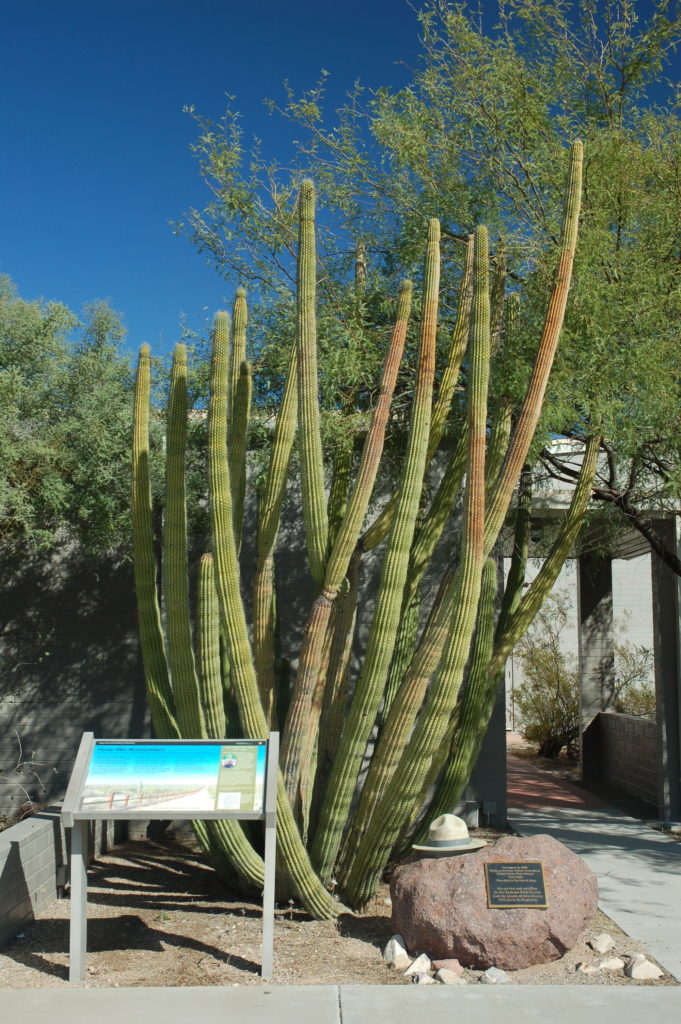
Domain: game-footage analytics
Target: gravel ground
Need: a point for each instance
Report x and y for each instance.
(158, 916)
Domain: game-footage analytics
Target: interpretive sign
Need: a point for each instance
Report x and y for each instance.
(169, 779)
(136, 777)
(515, 884)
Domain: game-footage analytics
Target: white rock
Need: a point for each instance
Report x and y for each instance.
(493, 976)
(612, 963)
(450, 977)
(641, 969)
(422, 979)
(584, 968)
(420, 966)
(395, 953)
(603, 943)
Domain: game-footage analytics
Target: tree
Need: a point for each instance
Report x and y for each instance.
(478, 134)
(65, 414)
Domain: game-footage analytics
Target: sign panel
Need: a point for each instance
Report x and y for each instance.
(190, 777)
(204, 779)
(515, 884)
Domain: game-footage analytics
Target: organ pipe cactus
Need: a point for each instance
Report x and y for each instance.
(339, 826)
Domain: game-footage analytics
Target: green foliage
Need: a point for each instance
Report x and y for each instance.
(634, 692)
(477, 134)
(548, 698)
(65, 414)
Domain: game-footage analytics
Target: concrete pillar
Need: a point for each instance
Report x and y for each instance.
(666, 610)
(487, 786)
(596, 654)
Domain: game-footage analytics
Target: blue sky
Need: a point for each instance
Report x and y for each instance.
(96, 160)
(191, 763)
(195, 764)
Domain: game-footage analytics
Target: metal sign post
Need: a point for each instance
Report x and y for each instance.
(169, 779)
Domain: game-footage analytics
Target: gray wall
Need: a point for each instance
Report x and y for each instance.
(629, 754)
(69, 662)
(33, 867)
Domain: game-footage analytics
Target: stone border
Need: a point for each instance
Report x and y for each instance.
(34, 866)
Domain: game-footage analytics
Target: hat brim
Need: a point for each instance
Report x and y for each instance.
(450, 851)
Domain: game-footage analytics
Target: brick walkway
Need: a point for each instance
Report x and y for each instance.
(531, 787)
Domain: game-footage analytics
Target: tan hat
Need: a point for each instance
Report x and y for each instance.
(449, 835)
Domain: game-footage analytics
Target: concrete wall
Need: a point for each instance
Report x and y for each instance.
(629, 754)
(33, 867)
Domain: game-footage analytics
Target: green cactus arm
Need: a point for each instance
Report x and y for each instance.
(237, 356)
(520, 618)
(340, 487)
(238, 447)
(497, 300)
(334, 702)
(531, 408)
(521, 544)
(385, 621)
(175, 585)
(309, 435)
(280, 457)
(351, 525)
(295, 750)
(343, 457)
(468, 725)
(500, 432)
(457, 350)
(159, 694)
(314, 896)
(208, 645)
(406, 643)
(475, 708)
(264, 611)
(399, 721)
(263, 636)
(388, 819)
(477, 701)
(378, 530)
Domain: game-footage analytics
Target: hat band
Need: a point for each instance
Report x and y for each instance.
(449, 842)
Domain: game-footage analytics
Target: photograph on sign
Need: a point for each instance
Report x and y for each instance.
(139, 777)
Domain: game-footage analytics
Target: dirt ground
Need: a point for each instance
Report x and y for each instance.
(158, 916)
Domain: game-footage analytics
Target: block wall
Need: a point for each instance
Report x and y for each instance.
(34, 867)
(629, 754)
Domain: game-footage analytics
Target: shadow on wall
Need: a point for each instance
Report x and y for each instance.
(16, 906)
(69, 662)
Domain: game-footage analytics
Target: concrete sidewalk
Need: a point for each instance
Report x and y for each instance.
(344, 1004)
(638, 869)
(639, 876)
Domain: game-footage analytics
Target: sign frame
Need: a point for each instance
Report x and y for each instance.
(538, 879)
(78, 819)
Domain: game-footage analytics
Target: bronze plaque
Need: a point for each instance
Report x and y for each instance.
(515, 884)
